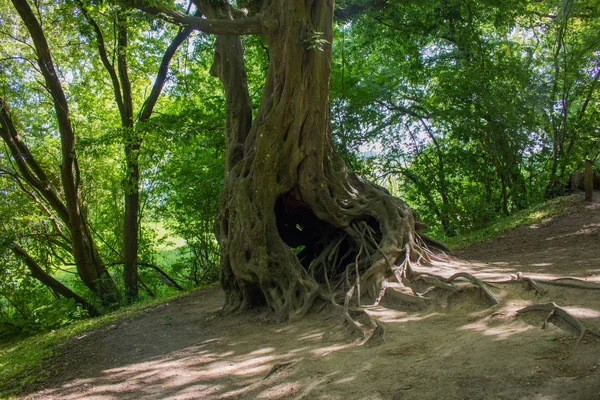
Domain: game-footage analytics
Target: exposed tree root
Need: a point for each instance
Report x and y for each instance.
(555, 310)
(367, 243)
(435, 243)
(401, 293)
(390, 269)
(572, 283)
(477, 282)
(561, 282)
(280, 366)
(532, 284)
(354, 325)
(446, 283)
(377, 336)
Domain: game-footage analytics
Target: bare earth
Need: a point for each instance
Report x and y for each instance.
(457, 348)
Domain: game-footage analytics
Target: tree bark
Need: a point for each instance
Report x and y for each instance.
(122, 92)
(132, 145)
(589, 181)
(290, 190)
(229, 67)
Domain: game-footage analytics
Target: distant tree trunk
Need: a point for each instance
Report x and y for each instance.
(131, 223)
(132, 145)
(518, 187)
(288, 189)
(589, 181)
(503, 183)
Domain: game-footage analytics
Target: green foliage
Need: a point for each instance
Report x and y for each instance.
(187, 186)
(315, 41)
(451, 105)
(26, 306)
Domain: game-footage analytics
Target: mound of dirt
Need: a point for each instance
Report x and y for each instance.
(454, 347)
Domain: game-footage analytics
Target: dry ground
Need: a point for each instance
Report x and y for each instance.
(458, 348)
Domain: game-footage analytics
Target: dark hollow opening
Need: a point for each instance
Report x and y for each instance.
(307, 235)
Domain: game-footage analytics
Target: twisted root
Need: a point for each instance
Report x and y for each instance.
(554, 310)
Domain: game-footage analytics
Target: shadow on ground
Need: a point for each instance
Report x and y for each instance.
(458, 348)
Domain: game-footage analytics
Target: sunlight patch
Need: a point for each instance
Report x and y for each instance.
(501, 332)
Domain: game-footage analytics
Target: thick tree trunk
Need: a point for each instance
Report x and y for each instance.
(292, 219)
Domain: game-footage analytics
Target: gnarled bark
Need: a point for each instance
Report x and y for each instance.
(293, 222)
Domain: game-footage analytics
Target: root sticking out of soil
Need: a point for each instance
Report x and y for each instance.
(554, 310)
(408, 289)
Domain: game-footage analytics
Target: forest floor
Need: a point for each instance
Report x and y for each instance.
(456, 348)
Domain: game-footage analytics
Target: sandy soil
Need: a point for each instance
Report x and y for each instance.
(457, 348)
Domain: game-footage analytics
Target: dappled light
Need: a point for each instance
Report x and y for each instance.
(389, 315)
(457, 338)
(252, 358)
(590, 229)
(501, 328)
(499, 332)
(200, 371)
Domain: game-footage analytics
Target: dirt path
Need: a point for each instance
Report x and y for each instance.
(458, 349)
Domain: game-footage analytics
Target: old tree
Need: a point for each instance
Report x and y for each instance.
(294, 224)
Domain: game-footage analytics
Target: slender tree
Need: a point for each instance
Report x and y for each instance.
(130, 126)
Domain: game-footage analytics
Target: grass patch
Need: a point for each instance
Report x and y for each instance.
(539, 214)
(27, 361)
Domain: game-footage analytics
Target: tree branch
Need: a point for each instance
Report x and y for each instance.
(127, 115)
(161, 76)
(104, 57)
(165, 277)
(17, 179)
(245, 26)
(38, 273)
(30, 170)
